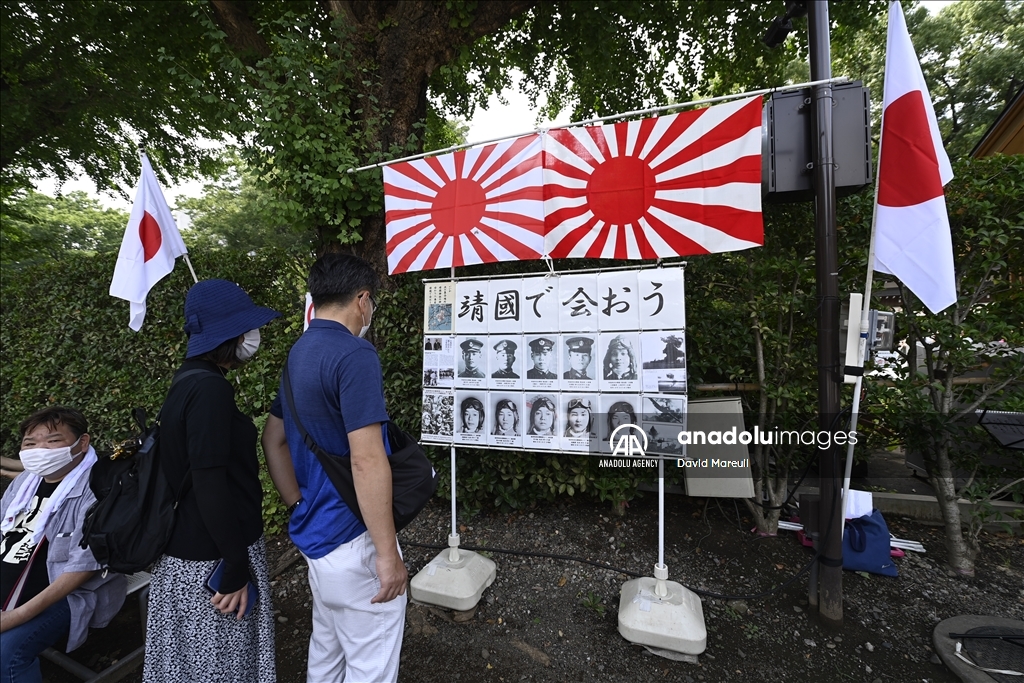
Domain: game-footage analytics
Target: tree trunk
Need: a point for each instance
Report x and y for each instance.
(959, 551)
(401, 44)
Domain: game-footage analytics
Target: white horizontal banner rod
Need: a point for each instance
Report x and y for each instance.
(601, 119)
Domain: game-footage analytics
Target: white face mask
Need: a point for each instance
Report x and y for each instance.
(366, 326)
(46, 461)
(247, 347)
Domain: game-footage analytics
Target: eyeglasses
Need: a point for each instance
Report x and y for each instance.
(373, 299)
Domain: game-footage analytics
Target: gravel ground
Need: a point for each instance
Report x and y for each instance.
(555, 620)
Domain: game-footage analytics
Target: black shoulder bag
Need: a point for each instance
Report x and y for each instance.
(413, 478)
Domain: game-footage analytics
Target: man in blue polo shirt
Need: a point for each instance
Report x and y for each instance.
(356, 571)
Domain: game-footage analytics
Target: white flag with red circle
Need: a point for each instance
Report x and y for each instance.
(688, 183)
(912, 236)
(481, 205)
(150, 245)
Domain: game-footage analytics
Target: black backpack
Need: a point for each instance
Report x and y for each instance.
(131, 522)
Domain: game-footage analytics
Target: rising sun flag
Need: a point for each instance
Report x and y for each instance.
(678, 185)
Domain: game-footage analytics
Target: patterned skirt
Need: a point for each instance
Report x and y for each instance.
(188, 640)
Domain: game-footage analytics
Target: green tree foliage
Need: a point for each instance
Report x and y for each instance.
(235, 212)
(34, 226)
(84, 81)
(972, 57)
(981, 334)
(367, 69)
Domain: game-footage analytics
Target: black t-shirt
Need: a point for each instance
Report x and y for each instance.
(17, 548)
(221, 514)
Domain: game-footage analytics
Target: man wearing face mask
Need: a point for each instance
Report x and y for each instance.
(356, 572)
(49, 585)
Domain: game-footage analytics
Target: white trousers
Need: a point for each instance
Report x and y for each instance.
(353, 641)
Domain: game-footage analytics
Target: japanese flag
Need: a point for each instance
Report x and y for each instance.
(912, 237)
(150, 245)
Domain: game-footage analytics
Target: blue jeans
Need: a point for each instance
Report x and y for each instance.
(19, 656)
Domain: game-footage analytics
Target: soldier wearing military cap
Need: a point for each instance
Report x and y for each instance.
(505, 358)
(579, 357)
(471, 358)
(541, 353)
(619, 361)
(578, 418)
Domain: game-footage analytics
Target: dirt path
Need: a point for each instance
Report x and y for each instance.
(555, 620)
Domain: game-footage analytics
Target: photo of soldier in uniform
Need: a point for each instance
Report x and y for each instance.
(543, 357)
(542, 422)
(579, 417)
(506, 418)
(616, 410)
(471, 372)
(619, 359)
(578, 428)
(471, 356)
(506, 366)
(506, 425)
(471, 414)
(580, 356)
(471, 417)
(543, 416)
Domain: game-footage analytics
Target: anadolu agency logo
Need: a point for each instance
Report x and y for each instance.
(630, 443)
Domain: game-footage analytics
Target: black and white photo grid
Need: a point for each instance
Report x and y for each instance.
(556, 362)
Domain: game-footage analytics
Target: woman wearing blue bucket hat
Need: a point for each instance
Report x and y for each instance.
(210, 613)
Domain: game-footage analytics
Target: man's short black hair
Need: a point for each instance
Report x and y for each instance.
(53, 416)
(336, 278)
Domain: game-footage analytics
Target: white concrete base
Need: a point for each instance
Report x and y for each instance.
(455, 579)
(674, 621)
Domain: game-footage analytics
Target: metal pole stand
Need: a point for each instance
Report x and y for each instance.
(456, 578)
(659, 613)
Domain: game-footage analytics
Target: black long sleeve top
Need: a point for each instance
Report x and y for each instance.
(220, 515)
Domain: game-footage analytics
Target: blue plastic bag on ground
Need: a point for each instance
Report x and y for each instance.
(866, 545)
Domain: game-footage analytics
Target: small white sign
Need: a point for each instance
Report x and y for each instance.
(540, 304)
(505, 299)
(618, 303)
(661, 299)
(577, 303)
(472, 307)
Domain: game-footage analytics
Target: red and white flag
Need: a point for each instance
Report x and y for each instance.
(150, 245)
(481, 205)
(688, 183)
(912, 237)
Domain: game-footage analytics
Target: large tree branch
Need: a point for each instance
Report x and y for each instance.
(232, 16)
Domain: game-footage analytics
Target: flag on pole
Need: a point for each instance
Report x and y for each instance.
(150, 245)
(481, 205)
(677, 185)
(912, 238)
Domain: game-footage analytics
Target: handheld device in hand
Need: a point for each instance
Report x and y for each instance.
(213, 585)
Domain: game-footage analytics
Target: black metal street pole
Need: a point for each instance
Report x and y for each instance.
(830, 578)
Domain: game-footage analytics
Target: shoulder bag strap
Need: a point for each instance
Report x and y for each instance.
(290, 400)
